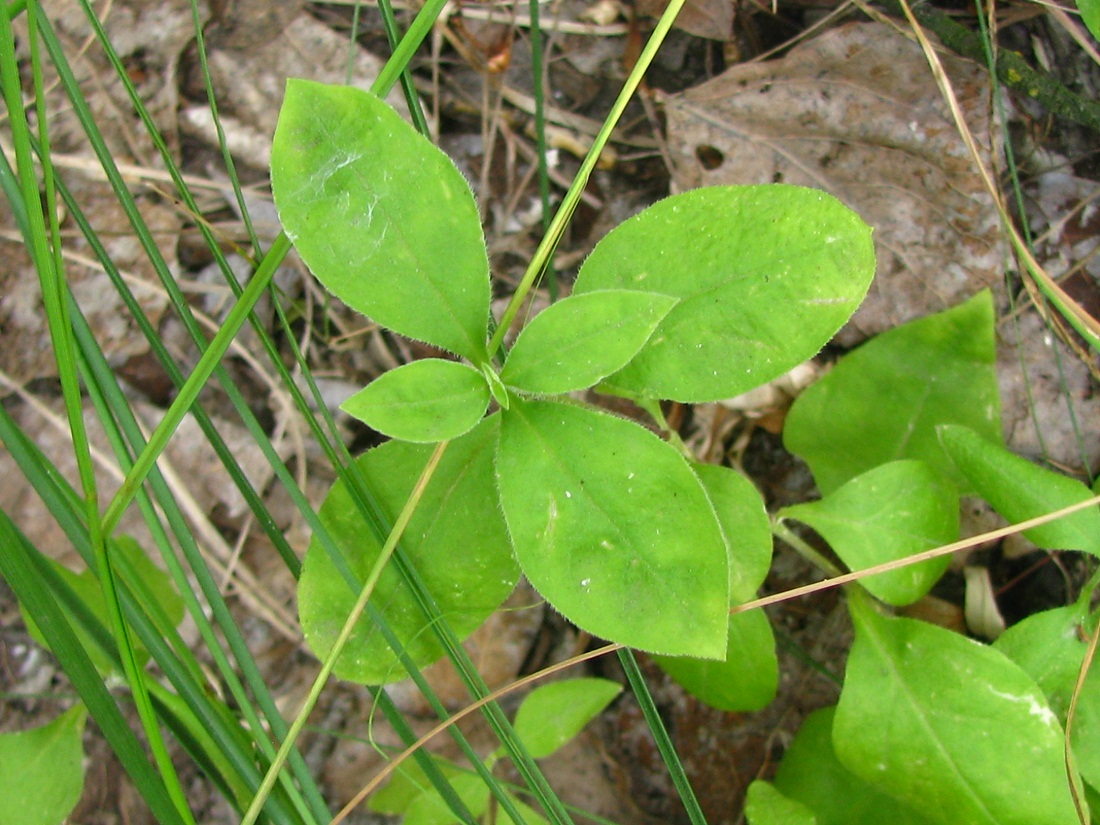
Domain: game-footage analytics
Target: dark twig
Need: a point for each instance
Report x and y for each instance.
(1013, 71)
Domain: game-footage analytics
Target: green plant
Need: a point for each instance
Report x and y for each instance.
(931, 726)
(622, 532)
(436, 535)
(611, 524)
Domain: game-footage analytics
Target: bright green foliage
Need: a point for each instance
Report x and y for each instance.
(611, 525)
(456, 540)
(152, 587)
(1090, 15)
(888, 513)
(381, 216)
(702, 296)
(744, 522)
(748, 677)
(554, 713)
(811, 774)
(1020, 490)
(41, 771)
(883, 401)
(765, 276)
(425, 401)
(1050, 646)
(410, 795)
(577, 341)
(949, 727)
(764, 805)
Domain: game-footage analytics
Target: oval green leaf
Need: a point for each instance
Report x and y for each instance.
(423, 401)
(748, 678)
(613, 528)
(553, 714)
(745, 524)
(381, 216)
(1050, 647)
(811, 774)
(952, 728)
(574, 343)
(764, 805)
(42, 771)
(456, 540)
(888, 513)
(883, 401)
(1020, 490)
(765, 275)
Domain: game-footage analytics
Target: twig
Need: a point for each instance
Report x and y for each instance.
(1013, 71)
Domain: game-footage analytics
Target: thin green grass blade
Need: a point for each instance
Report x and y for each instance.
(412, 99)
(405, 49)
(664, 742)
(345, 634)
(541, 148)
(256, 681)
(196, 381)
(1018, 197)
(29, 588)
(212, 102)
(46, 254)
(549, 242)
(59, 498)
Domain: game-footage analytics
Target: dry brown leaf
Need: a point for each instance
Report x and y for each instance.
(712, 19)
(856, 113)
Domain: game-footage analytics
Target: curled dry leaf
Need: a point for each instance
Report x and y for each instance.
(849, 113)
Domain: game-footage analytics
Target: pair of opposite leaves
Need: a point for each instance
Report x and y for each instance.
(702, 296)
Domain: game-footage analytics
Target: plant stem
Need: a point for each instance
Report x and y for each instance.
(781, 531)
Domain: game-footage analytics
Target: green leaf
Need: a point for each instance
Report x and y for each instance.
(529, 814)
(613, 528)
(883, 401)
(554, 713)
(952, 728)
(1050, 646)
(811, 774)
(381, 216)
(888, 513)
(748, 677)
(456, 540)
(1090, 15)
(41, 771)
(765, 276)
(1020, 490)
(574, 343)
(746, 526)
(764, 805)
(428, 807)
(746, 680)
(423, 401)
